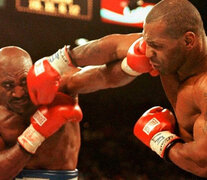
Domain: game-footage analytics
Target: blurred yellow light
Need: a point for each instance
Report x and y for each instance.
(49, 7)
(74, 10)
(62, 8)
(35, 5)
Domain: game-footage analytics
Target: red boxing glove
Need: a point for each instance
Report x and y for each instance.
(43, 78)
(136, 62)
(48, 119)
(155, 129)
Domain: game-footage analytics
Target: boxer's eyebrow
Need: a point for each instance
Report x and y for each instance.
(7, 82)
(154, 44)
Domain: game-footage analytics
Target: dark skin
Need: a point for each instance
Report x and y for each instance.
(107, 53)
(187, 96)
(182, 63)
(62, 148)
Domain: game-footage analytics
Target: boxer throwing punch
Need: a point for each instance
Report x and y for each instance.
(176, 46)
(36, 142)
(49, 74)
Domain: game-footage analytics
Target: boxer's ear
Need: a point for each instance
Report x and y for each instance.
(189, 39)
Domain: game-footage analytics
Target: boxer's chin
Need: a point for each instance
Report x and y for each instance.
(19, 108)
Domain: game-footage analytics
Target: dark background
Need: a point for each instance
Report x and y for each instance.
(109, 149)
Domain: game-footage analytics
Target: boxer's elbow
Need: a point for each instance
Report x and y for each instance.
(201, 172)
(201, 164)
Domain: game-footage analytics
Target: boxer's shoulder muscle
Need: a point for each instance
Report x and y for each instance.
(200, 92)
(4, 113)
(11, 126)
(124, 42)
(116, 45)
(187, 104)
(195, 106)
(9, 118)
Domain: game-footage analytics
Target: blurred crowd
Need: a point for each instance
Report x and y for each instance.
(111, 153)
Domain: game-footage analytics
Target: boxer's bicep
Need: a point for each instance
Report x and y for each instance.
(124, 44)
(104, 50)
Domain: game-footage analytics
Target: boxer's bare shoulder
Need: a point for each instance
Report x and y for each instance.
(191, 105)
(11, 126)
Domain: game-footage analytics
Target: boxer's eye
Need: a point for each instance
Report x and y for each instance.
(8, 85)
(154, 45)
(23, 81)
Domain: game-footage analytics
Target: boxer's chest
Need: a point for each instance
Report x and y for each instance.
(58, 150)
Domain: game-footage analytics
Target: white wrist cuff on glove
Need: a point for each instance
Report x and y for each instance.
(160, 141)
(30, 139)
(60, 60)
(127, 69)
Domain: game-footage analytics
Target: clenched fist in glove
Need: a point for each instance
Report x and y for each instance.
(48, 119)
(43, 78)
(155, 129)
(136, 62)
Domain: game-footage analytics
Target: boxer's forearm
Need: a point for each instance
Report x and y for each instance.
(12, 161)
(103, 50)
(93, 78)
(191, 157)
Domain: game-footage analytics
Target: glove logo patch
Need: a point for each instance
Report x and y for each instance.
(150, 125)
(39, 118)
(39, 68)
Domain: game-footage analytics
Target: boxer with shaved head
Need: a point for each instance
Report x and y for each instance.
(174, 45)
(35, 142)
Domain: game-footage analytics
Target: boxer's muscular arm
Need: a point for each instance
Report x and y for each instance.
(43, 77)
(12, 161)
(12, 158)
(192, 156)
(103, 50)
(94, 78)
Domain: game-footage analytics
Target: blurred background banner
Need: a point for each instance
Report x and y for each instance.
(81, 9)
(109, 149)
(123, 12)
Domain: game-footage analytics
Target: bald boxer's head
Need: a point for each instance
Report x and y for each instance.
(14, 66)
(179, 16)
(175, 36)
